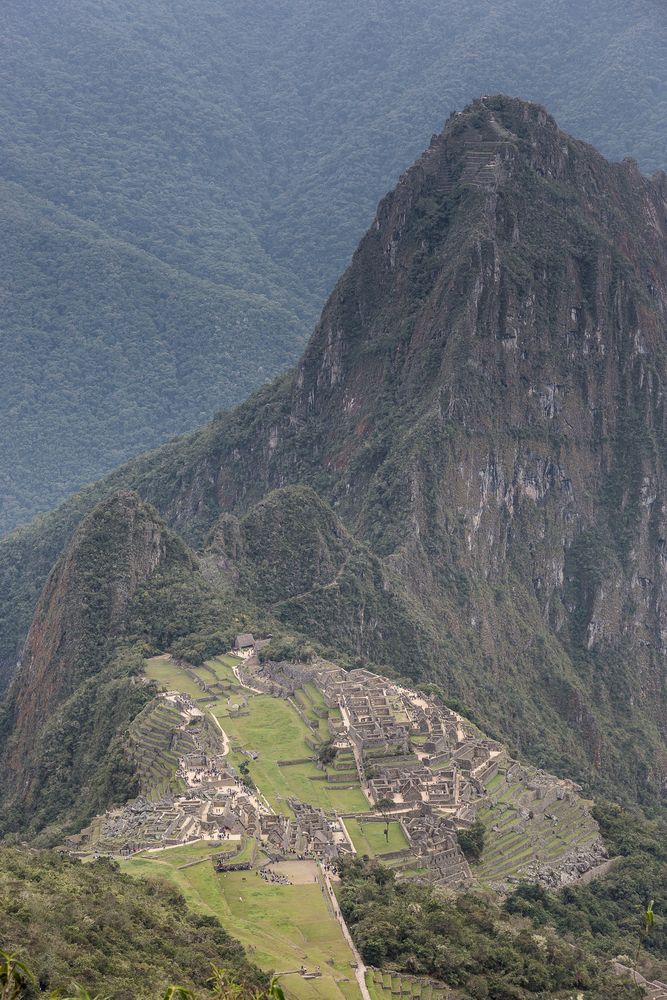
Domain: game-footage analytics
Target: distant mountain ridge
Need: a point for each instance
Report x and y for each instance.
(467, 467)
(229, 160)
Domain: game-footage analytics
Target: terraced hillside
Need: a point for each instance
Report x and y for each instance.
(387, 985)
(527, 833)
(153, 737)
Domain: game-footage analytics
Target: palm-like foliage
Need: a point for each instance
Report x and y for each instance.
(15, 976)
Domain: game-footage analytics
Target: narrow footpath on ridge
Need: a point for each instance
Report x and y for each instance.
(318, 588)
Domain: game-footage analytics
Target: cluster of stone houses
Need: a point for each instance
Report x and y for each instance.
(418, 762)
(410, 749)
(416, 758)
(432, 839)
(310, 833)
(228, 812)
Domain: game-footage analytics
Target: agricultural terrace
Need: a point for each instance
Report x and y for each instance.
(385, 985)
(169, 675)
(283, 927)
(269, 727)
(564, 826)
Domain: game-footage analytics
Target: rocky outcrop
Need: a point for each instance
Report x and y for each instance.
(80, 615)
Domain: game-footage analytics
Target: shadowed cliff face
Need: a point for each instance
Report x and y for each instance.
(80, 612)
(483, 405)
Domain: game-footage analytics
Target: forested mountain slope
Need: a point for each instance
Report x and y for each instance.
(181, 184)
(469, 457)
(129, 938)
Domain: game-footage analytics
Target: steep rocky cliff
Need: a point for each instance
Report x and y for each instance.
(69, 700)
(482, 406)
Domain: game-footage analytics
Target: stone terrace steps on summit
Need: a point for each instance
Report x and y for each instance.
(478, 168)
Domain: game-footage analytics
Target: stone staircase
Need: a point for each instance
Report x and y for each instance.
(479, 163)
(654, 990)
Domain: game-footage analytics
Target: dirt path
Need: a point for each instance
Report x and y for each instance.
(225, 737)
(360, 971)
(235, 671)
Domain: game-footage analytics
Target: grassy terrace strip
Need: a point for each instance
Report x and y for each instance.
(283, 927)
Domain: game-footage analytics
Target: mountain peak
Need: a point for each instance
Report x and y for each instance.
(116, 548)
(482, 407)
(499, 203)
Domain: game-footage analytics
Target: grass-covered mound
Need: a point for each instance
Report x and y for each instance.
(122, 937)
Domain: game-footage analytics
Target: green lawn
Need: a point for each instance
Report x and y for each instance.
(274, 730)
(282, 926)
(315, 695)
(165, 862)
(170, 676)
(222, 667)
(172, 857)
(371, 840)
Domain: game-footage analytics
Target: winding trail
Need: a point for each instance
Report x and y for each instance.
(318, 588)
(235, 671)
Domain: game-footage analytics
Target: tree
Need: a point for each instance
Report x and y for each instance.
(382, 806)
(471, 841)
(326, 753)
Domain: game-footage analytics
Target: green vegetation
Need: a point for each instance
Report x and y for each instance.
(117, 935)
(471, 841)
(132, 346)
(275, 732)
(165, 672)
(607, 915)
(369, 837)
(272, 729)
(163, 863)
(282, 926)
(467, 943)
(106, 604)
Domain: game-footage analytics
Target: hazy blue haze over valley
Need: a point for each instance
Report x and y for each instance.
(182, 183)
